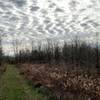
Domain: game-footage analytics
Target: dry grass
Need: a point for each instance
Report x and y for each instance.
(79, 83)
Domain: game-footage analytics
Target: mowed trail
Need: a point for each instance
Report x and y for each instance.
(14, 87)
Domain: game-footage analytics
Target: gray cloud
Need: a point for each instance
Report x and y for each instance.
(34, 8)
(18, 3)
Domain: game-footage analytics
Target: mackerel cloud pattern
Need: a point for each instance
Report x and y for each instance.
(49, 19)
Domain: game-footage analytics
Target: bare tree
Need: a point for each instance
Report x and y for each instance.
(57, 53)
(1, 53)
(49, 52)
(76, 50)
(15, 44)
(97, 51)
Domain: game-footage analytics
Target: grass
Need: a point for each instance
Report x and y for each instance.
(14, 87)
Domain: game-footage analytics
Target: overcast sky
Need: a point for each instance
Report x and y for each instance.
(39, 20)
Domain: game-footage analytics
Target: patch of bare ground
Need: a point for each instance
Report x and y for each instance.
(67, 83)
(2, 69)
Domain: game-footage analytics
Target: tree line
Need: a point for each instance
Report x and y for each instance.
(77, 53)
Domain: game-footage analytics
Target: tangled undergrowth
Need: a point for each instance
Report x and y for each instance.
(66, 83)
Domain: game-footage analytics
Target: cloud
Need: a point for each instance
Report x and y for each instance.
(18, 3)
(52, 19)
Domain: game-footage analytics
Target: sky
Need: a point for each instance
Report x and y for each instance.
(39, 20)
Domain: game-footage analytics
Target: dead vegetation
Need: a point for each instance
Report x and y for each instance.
(67, 83)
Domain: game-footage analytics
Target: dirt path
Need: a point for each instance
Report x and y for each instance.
(14, 87)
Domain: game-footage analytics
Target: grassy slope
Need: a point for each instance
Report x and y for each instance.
(14, 87)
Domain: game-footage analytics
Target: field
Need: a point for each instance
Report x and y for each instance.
(14, 87)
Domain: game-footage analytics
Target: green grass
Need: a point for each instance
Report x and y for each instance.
(14, 87)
